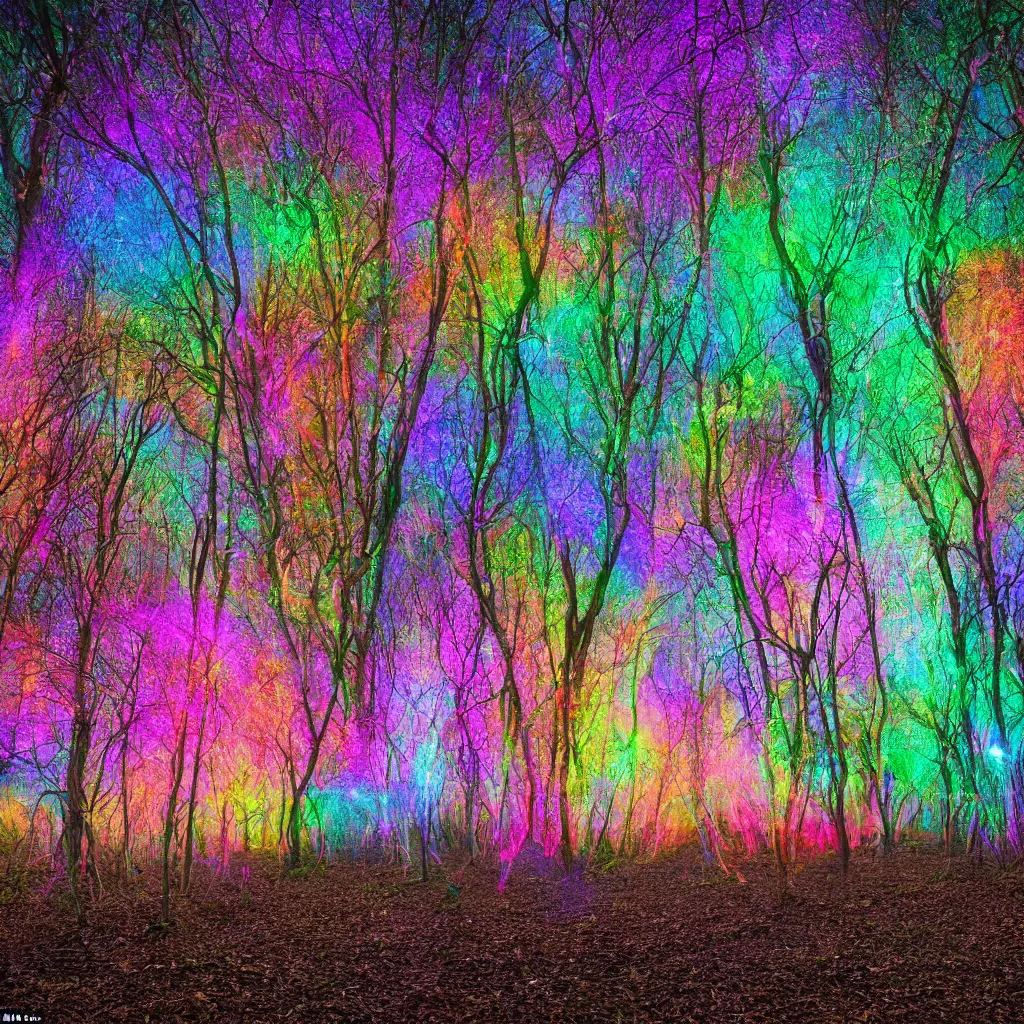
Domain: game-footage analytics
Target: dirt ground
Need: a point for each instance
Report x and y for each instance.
(914, 939)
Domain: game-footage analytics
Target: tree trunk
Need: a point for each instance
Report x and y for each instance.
(186, 867)
(565, 758)
(177, 772)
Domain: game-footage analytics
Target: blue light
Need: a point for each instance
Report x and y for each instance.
(996, 752)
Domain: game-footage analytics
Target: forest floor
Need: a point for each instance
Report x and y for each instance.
(915, 939)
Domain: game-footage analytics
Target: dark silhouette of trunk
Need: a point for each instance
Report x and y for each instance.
(167, 840)
(424, 831)
(126, 848)
(186, 863)
(78, 753)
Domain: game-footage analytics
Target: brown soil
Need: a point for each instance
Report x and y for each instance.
(912, 939)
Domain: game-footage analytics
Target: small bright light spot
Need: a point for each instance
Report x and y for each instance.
(353, 793)
(996, 752)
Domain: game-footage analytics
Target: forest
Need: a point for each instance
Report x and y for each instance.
(503, 429)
